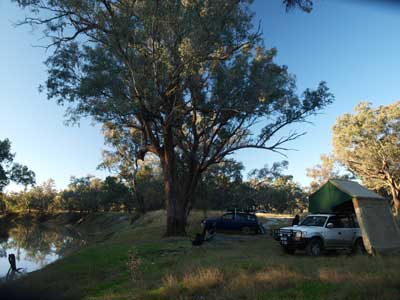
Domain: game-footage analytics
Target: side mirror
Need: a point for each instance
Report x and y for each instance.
(329, 225)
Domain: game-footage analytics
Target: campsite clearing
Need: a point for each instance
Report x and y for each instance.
(136, 263)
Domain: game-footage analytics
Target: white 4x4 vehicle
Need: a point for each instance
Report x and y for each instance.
(319, 232)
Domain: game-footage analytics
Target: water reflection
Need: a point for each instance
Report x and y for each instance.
(34, 246)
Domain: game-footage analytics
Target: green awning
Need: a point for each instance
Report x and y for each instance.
(338, 194)
(326, 198)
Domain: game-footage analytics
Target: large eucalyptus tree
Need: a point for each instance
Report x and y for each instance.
(192, 76)
(368, 144)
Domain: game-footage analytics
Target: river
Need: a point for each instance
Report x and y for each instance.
(35, 246)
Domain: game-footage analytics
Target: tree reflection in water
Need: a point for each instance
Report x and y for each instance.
(35, 245)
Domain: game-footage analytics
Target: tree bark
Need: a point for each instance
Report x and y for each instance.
(396, 199)
(176, 212)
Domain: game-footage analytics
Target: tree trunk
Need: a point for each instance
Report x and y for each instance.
(179, 203)
(396, 200)
(176, 212)
(140, 203)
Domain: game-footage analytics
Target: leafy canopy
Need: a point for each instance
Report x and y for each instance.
(11, 171)
(368, 144)
(196, 66)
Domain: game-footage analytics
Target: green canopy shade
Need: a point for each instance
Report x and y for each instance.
(326, 198)
(337, 194)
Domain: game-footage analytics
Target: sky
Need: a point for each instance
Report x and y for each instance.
(353, 45)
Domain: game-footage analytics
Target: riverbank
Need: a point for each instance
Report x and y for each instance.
(135, 262)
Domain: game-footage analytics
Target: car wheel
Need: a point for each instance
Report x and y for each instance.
(246, 230)
(359, 248)
(290, 251)
(314, 247)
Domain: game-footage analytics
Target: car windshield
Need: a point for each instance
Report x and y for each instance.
(314, 221)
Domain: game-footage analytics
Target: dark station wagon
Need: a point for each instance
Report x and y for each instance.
(244, 222)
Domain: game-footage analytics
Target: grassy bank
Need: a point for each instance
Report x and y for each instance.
(130, 260)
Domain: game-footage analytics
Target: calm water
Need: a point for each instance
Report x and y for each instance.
(35, 246)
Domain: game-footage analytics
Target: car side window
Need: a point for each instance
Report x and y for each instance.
(346, 222)
(227, 217)
(239, 217)
(337, 222)
(251, 218)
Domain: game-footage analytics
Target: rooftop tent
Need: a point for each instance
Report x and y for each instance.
(337, 195)
(380, 231)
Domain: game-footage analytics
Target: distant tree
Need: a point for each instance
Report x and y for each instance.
(368, 144)
(267, 175)
(288, 196)
(10, 171)
(327, 169)
(22, 175)
(40, 197)
(114, 193)
(122, 159)
(83, 194)
(276, 191)
(218, 188)
(306, 5)
(68, 200)
(192, 77)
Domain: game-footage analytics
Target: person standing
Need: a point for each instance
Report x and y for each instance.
(296, 220)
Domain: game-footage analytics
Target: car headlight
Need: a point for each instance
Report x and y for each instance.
(298, 235)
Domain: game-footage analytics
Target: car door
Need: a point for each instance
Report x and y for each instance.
(252, 221)
(226, 222)
(239, 222)
(348, 232)
(334, 235)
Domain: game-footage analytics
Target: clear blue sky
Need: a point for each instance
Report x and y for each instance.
(354, 47)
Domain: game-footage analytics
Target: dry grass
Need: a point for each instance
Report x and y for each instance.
(202, 278)
(333, 276)
(170, 286)
(275, 216)
(276, 276)
(198, 281)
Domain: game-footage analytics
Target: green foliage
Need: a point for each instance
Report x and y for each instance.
(275, 191)
(367, 143)
(88, 194)
(218, 187)
(222, 187)
(10, 171)
(143, 177)
(6, 157)
(306, 5)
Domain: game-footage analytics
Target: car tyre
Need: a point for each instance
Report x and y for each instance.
(359, 248)
(314, 247)
(246, 230)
